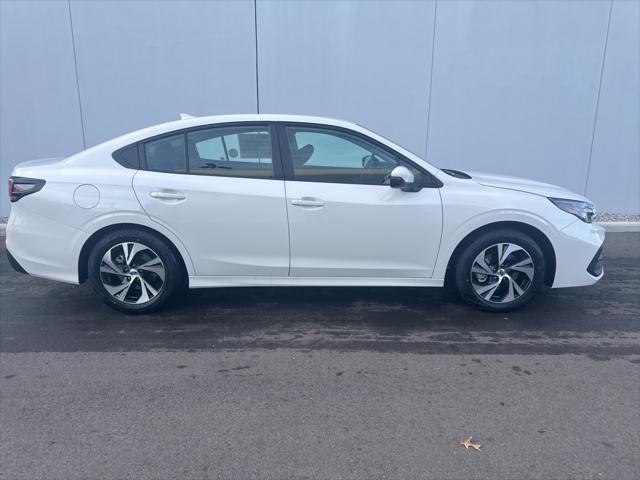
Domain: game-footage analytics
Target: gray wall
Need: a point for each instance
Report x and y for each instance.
(546, 90)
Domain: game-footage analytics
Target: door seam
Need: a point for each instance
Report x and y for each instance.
(286, 206)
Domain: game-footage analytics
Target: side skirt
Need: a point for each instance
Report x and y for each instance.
(248, 281)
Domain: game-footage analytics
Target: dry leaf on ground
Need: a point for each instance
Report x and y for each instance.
(466, 443)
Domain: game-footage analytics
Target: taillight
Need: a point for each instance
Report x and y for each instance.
(22, 186)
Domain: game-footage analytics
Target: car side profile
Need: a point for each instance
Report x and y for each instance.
(283, 200)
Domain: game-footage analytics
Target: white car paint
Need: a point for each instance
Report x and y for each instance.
(231, 226)
(362, 231)
(235, 231)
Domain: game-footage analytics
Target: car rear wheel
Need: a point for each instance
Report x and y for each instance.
(499, 271)
(133, 271)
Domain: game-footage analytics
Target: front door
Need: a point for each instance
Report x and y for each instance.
(345, 219)
(215, 188)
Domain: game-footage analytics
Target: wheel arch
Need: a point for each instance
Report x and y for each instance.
(536, 234)
(83, 258)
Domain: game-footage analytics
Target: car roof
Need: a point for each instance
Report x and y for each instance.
(264, 117)
(189, 121)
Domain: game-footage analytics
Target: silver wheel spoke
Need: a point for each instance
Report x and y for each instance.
(109, 266)
(525, 266)
(491, 288)
(480, 270)
(510, 296)
(109, 269)
(516, 287)
(508, 250)
(144, 295)
(482, 263)
(131, 252)
(123, 278)
(509, 265)
(154, 266)
(150, 290)
(490, 293)
(125, 251)
(119, 291)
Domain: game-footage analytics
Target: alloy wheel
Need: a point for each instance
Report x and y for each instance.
(502, 273)
(132, 273)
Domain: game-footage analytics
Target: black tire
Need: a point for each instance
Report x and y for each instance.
(174, 276)
(463, 275)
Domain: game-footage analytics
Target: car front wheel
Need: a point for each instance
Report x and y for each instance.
(499, 271)
(133, 271)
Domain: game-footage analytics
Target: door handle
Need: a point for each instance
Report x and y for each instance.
(307, 202)
(166, 195)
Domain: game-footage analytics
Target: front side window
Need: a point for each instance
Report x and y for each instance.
(231, 151)
(332, 156)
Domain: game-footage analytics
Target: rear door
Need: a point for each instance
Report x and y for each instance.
(220, 190)
(344, 218)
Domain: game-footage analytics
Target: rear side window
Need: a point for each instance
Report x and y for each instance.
(228, 151)
(242, 151)
(166, 154)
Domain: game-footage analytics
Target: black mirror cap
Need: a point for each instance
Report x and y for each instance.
(397, 182)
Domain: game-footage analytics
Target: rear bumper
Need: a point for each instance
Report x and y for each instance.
(15, 264)
(42, 247)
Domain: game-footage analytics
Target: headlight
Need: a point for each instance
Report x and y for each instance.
(585, 211)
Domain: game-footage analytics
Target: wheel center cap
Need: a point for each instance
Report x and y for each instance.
(501, 272)
(133, 271)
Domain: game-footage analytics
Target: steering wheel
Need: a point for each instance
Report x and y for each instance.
(371, 161)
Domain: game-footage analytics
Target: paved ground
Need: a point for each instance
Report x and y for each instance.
(322, 383)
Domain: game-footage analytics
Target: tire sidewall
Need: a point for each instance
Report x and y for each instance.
(172, 271)
(471, 251)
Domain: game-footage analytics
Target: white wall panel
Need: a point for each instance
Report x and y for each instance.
(39, 114)
(142, 63)
(614, 177)
(515, 87)
(367, 62)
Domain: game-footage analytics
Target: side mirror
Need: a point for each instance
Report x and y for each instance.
(402, 178)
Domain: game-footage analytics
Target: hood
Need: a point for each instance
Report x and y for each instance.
(524, 185)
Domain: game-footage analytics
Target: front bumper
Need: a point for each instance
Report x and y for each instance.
(578, 250)
(596, 267)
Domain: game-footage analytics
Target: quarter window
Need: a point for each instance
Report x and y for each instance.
(331, 156)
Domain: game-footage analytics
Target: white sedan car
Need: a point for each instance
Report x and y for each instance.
(281, 200)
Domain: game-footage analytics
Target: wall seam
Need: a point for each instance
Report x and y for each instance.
(255, 31)
(433, 48)
(595, 116)
(75, 66)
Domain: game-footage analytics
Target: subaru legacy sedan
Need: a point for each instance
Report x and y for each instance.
(282, 200)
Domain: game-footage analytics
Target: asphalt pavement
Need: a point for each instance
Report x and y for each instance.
(322, 383)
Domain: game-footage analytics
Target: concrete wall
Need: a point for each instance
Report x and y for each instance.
(547, 90)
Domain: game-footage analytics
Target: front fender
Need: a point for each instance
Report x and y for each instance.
(457, 228)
